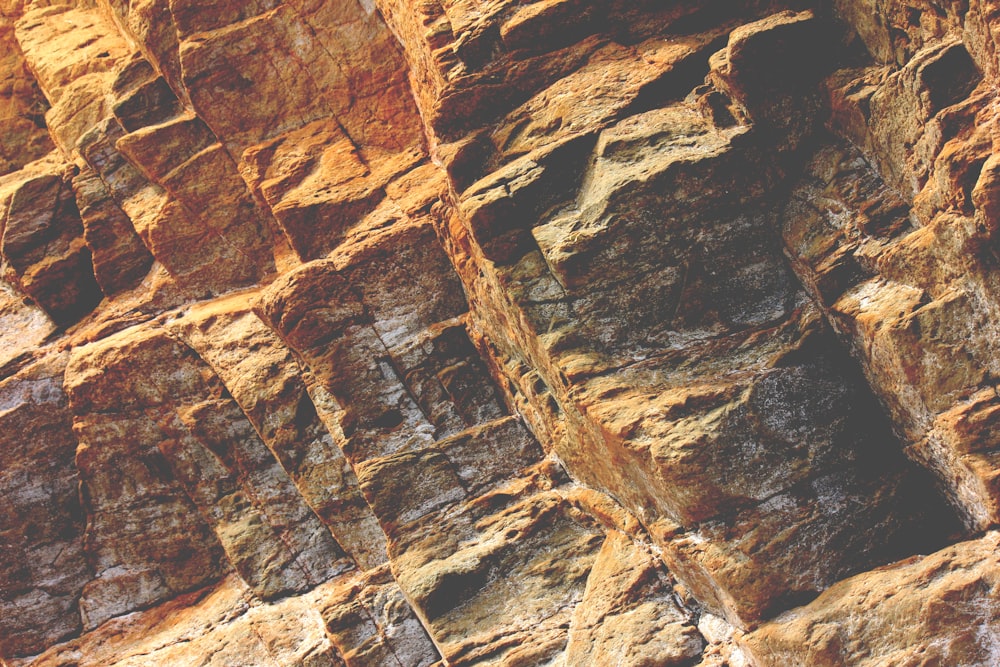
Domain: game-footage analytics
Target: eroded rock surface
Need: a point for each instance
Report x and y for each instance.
(550, 332)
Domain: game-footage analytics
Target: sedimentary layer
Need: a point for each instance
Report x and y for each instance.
(549, 332)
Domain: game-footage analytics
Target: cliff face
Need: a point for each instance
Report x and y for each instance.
(453, 332)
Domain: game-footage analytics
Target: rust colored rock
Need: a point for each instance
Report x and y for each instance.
(120, 259)
(22, 108)
(43, 241)
(538, 332)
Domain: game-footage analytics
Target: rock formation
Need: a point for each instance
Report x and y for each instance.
(535, 332)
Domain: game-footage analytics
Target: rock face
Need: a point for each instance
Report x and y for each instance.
(548, 332)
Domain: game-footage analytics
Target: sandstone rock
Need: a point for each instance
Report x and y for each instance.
(766, 69)
(267, 384)
(548, 332)
(631, 326)
(43, 241)
(23, 327)
(145, 537)
(43, 567)
(119, 258)
(270, 536)
(397, 415)
(223, 621)
(848, 236)
(318, 184)
(22, 108)
(371, 623)
(72, 51)
(611, 626)
(948, 600)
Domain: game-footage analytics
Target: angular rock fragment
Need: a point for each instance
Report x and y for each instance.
(948, 599)
(223, 621)
(22, 108)
(266, 381)
(43, 241)
(119, 257)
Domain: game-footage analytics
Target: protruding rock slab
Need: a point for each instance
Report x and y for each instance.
(266, 381)
(22, 108)
(371, 623)
(628, 615)
(224, 621)
(936, 609)
(43, 240)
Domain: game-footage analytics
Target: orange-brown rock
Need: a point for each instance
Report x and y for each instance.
(22, 107)
(539, 333)
(934, 609)
(43, 242)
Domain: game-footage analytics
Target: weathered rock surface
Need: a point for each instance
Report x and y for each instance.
(551, 332)
(948, 600)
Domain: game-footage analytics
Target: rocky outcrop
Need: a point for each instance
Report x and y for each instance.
(562, 332)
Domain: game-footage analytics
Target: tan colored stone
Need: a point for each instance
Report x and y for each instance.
(72, 52)
(145, 537)
(371, 623)
(937, 608)
(508, 333)
(270, 536)
(22, 108)
(628, 615)
(221, 623)
(267, 384)
(24, 327)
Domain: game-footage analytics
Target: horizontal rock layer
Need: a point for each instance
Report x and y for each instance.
(550, 332)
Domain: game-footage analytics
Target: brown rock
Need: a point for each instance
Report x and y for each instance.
(371, 623)
(766, 69)
(270, 536)
(628, 615)
(844, 225)
(120, 260)
(23, 327)
(267, 384)
(947, 599)
(43, 567)
(72, 52)
(22, 108)
(637, 336)
(43, 241)
(145, 537)
(223, 621)
(548, 332)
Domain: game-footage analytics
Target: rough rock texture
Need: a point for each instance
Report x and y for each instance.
(535, 332)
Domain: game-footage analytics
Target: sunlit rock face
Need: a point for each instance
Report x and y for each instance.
(450, 332)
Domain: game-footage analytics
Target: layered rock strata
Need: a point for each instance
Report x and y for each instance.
(556, 333)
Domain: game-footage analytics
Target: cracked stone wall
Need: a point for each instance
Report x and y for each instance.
(494, 332)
